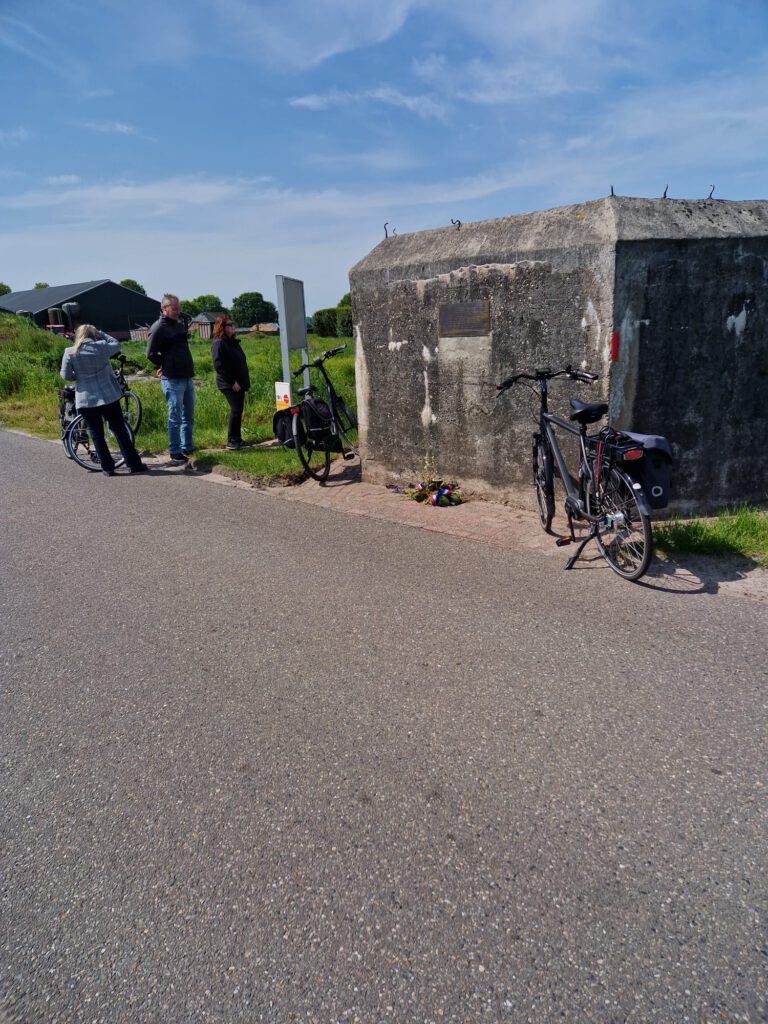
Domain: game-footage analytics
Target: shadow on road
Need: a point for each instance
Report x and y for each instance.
(697, 574)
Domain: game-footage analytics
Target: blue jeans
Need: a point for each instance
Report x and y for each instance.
(180, 395)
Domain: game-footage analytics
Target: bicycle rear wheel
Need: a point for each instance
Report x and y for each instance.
(315, 460)
(80, 446)
(624, 535)
(131, 406)
(543, 483)
(346, 423)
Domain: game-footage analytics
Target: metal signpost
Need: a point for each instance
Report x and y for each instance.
(293, 323)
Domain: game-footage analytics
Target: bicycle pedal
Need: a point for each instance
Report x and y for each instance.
(562, 541)
(349, 455)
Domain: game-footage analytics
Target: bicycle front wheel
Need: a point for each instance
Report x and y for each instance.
(131, 406)
(80, 447)
(64, 431)
(315, 460)
(346, 424)
(624, 534)
(544, 484)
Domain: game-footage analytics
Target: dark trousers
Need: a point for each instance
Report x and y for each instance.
(236, 401)
(113, 414)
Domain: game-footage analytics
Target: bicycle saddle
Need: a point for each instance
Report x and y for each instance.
(307, 391)
(587, 412)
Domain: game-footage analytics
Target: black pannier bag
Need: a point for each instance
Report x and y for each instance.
(281, 427)
(67, 403)
(654, 471)
(319, 424)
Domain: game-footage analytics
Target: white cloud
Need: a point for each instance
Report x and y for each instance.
(63, 179)
(383, 161)
(23, 38)
(110, 127)
(13, 136)
(297, 34)
(424, 106)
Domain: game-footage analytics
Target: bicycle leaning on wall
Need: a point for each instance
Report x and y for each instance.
(317, 427)
(622, 476)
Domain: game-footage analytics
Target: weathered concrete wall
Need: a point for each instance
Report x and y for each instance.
(553, 286)
(693, 361)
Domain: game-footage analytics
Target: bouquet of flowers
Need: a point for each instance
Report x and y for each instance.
(435, 492)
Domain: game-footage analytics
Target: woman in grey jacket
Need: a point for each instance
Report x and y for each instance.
(97, 395)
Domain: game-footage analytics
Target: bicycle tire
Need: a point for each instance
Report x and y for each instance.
(130, 403)
(64, 431)
(626, 543)
(543, 484)
(346, 424)
(81, 449)
(316, 461)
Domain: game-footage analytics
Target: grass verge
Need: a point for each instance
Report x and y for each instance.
(741, 531)
(30, 360)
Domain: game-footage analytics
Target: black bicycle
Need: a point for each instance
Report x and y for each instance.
(616, 469)
(76, 439)
(319, 427)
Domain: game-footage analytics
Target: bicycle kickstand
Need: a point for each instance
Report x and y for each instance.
(575, 556)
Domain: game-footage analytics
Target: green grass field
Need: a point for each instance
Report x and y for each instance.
(29, 379)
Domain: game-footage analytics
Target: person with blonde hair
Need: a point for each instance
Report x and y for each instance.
(97, 395)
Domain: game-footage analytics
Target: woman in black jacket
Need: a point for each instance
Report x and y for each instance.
(232, 377)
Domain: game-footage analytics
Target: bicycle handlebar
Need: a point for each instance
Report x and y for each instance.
(120, 358)
(318, 360)
(542, 373)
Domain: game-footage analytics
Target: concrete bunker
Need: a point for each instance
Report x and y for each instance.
(442, 316)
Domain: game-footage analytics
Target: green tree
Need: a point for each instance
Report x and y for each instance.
(189, 307)
(5, 289)
(345, 300)
(133, 285)
(344, 322)
(209, 304)
(324, 322)
(252, 308)
(42, 284)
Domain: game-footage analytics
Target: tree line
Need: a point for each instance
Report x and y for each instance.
(250, 308)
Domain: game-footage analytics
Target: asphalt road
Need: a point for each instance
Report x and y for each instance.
(263, 761)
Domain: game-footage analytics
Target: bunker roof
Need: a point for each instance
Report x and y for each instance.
(598, 222)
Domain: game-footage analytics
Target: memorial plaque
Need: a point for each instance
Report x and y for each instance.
(464, 319)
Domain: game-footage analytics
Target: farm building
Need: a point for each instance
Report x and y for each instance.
(109, 306)
(203, 324)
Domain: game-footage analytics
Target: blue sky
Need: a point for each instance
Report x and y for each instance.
(205, 146)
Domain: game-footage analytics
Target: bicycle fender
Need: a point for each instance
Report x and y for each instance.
(639, 493)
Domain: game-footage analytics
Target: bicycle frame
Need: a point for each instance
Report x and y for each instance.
(547, 422)
(331, 397)
(576, 502)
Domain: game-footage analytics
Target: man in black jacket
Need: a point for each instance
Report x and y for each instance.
(168, 349)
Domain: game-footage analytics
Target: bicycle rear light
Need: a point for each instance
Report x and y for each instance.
(633, 454)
